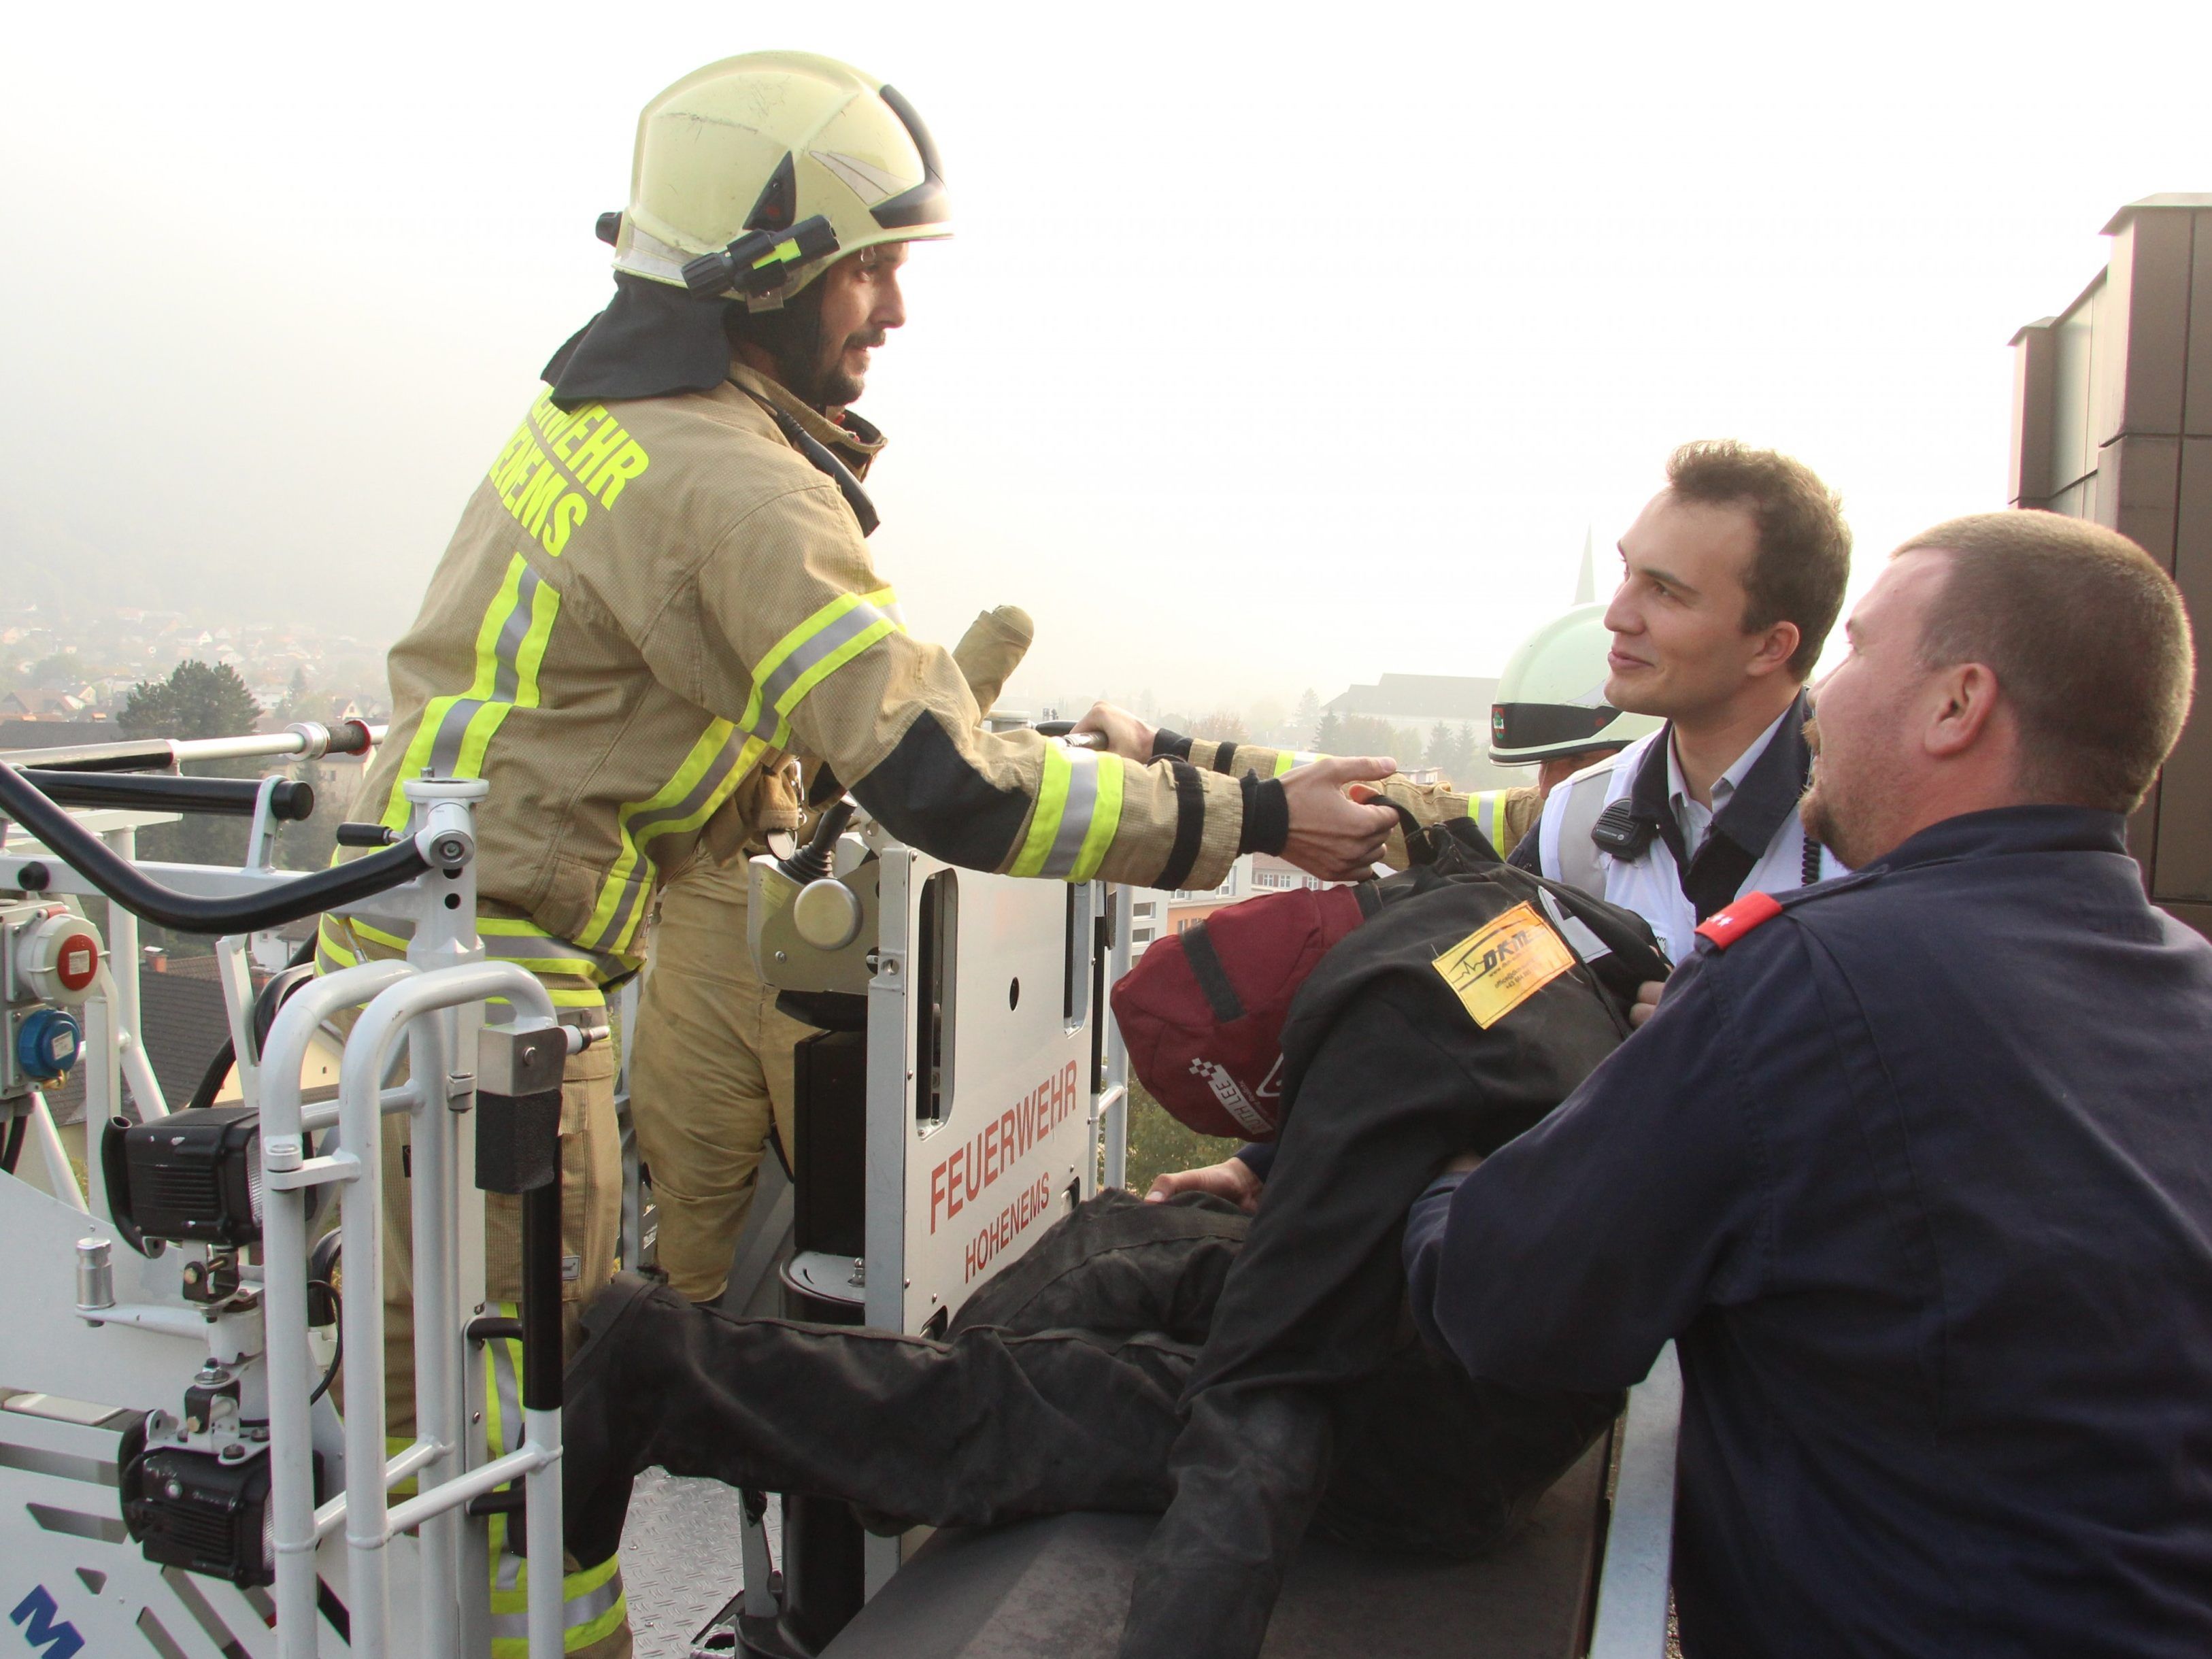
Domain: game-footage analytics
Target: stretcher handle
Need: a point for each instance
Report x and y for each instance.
(290, 800)
(306, 739)
(1065, 730)
(125, 885)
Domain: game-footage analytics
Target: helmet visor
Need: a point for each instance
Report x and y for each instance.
(1523, 725)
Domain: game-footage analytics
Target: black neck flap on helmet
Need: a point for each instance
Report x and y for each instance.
(652, 340)
(655, 339)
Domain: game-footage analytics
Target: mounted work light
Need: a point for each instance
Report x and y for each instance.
(193, 1177)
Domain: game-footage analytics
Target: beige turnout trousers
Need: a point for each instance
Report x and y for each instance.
(710, 1071)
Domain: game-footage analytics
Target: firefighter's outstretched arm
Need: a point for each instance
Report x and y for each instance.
(1134, 738)
(802, 647)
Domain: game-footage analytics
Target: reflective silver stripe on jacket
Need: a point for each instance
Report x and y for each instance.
(506, 676)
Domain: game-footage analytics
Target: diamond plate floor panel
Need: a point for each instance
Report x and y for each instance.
(679, 1559)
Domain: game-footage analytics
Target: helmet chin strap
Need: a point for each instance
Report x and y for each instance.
(791, 337)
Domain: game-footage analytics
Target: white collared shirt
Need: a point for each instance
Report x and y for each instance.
(1697, 820)
(1650, 885)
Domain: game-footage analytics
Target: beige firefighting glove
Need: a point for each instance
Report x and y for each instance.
(991, 649)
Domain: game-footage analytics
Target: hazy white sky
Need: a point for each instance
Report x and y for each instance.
(1280, 347)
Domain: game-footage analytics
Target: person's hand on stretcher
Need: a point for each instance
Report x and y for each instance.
(1232, 1179)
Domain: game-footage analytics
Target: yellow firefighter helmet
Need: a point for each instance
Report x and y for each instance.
(753, 175)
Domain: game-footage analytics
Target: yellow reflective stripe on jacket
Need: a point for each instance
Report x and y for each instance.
(512, 938)
(1487, 810)
(720, 758)
(592, 1602)
(455, 731)
(515, 939)
(573, 977)
(711, 773)
(393, 1445)
(334, 947)
(1287, 758)
(1105, 819)
(341, 940)
(1078, 807)
(810, 653)
(593, 1607)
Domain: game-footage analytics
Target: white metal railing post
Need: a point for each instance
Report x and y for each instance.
(369, 1523)
(444, 937)
(126, 1049)
(236, 977)
(1116, 1127)
(439, 1419)
(60, 1178)
(123, 940)
(1630, 1622)
(284, 1293)
(546, 1610)
(103, 1088)
(434, 1001)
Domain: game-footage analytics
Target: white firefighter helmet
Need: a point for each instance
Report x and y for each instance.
(753, 175)
(1551, 698)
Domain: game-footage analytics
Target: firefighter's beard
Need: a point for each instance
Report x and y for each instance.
(805, 365)
(1820, 822)
(835, 384)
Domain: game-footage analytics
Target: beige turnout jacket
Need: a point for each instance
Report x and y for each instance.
(649, 607)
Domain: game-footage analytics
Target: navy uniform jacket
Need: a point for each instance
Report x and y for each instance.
(1919, 1172)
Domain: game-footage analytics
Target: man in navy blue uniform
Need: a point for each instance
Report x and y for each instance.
(1916, 1165)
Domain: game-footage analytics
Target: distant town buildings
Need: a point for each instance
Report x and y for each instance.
(80, 667)
(1419, 703)
(1155, 914)
(36, 703)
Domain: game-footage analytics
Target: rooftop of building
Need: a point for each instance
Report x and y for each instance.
(1434, 696)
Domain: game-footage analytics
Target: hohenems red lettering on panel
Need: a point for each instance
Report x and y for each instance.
(970, 1167)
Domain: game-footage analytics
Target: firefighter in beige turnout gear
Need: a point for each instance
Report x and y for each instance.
(711, 1066)
(659, 594)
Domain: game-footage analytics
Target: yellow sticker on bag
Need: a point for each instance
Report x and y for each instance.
(1500, 965)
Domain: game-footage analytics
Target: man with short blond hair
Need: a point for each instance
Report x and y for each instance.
(1910, 1164)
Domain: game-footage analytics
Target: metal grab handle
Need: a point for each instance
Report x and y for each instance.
(1064, 730)
(1630, 1619)
(541, 1295)
(290, 800)
(122, 881)
(310, 739)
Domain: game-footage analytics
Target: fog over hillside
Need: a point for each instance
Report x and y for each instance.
(1270, 355)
